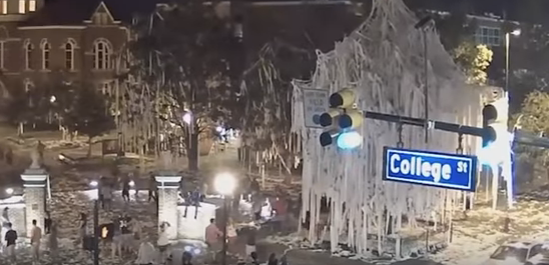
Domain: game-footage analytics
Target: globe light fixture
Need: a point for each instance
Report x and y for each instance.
(9, 191)
(94, 183)
(225, 183)
(187, 118)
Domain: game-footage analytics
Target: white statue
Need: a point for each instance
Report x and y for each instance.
(35, 158)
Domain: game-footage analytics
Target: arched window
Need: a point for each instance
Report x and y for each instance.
(46, 47)
(101, 55)
(69, 54)
(28, 55)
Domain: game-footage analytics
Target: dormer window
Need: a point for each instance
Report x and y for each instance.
(22, 7)
(101, 18)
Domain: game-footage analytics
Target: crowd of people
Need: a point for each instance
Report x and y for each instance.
(10, 237)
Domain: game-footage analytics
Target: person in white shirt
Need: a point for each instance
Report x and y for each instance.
(147, 254)
(36, 236)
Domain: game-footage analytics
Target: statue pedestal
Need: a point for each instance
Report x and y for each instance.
(35, 196)
(168, 189)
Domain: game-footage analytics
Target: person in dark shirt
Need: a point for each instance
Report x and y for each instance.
(47, 223)
(11, 238)
(126, 188)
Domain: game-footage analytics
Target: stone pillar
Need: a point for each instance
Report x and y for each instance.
(168, 189)
(34, 196)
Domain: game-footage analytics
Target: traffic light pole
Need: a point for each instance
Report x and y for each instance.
(519, 137)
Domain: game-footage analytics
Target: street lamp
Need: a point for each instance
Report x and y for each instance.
(515, 32)
(225, 184)
(9, 191)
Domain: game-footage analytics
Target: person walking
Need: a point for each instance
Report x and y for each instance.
(213, 239)
(11, 238)
(36, 237)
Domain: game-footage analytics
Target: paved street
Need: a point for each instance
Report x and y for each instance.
(66, 206)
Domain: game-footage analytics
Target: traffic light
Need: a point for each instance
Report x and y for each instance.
(495, 117)
(341, 120)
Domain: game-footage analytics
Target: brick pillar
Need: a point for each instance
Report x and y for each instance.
(34, 196)
(168, 189)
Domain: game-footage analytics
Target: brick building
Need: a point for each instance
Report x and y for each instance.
(48, 41)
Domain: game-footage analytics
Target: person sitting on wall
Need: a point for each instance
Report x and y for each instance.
(193, 198)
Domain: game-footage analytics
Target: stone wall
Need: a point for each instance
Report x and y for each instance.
(191, 228)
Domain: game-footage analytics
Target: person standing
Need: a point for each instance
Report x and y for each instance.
(40, 148)
(47, 223)
(107, 196)
(146, 254)
(82, 226)
(53, 244)
(251, 238)
(126, 188)
(11, 238)
(5, 223)
(163, 243)
(152, 187)
(213, 239)
(36, 236)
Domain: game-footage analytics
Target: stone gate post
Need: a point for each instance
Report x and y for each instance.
(34, 196)
(168, 188)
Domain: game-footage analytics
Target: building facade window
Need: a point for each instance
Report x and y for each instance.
(28, 55)
(69, 55)
(46, 48)
(4, 7)
(22, 7)
(490, 36)
(32, 5)
(101, 55)
(106, 89)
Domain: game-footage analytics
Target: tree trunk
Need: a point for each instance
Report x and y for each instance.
(89, 147)
(192, 151)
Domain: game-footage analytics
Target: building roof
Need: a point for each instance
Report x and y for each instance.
(70, 12)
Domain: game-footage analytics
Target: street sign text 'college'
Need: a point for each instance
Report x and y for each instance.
(450, 171)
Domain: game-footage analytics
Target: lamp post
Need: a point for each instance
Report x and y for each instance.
(225, 184)
(515, 32)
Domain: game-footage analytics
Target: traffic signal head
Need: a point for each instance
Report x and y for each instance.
(343, 99)
(327, 138)
(342, 118)
(494, 121)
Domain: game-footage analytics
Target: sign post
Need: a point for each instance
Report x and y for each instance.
(315, 102)
(449, 171)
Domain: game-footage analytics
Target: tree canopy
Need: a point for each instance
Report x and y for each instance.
(182, 57)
